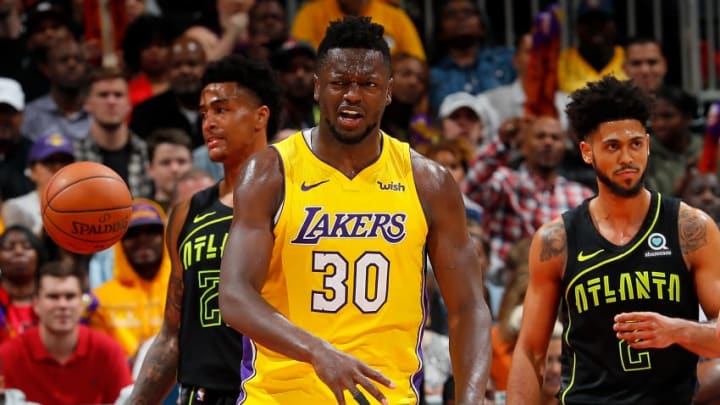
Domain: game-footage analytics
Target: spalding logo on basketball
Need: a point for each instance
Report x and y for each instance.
(86, 207)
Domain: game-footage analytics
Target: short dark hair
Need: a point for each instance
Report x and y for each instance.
(35, 242)
(685, 102)
(251, 75)
(192, 174)
(105, 73)
(146, 30)
(354, 32)
(174, 136)
(607, 99)
(640, 40)
(401, 56)
(60, 269)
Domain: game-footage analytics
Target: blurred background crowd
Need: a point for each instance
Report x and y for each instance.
(479, 86)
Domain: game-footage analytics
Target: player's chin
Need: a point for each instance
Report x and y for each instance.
(217, 155)
(351, 137)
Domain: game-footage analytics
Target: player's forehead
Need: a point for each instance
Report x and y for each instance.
(619, 130)
(354, 62)
(225, 92)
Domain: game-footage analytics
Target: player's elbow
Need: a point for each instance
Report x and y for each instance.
(229, 303)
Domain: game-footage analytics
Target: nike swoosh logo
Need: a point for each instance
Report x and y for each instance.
(199, 217)
(581, 257)
(306, 187)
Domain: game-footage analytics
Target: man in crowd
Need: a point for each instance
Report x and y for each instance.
(62, 362)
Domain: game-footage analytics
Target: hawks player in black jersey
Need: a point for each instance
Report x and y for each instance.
(238, 106)
(627, 269)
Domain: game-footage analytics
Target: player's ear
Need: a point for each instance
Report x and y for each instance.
(586, 152)
(262, 115)
(316, 89)
(388, 96)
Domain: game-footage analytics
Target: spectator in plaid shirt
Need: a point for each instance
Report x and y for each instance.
(517, 201)
(109, 140)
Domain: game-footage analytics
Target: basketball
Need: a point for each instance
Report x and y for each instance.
(86, 207)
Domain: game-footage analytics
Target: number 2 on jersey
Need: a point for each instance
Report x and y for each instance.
(633, 360)
(335, 293)
(208, 282)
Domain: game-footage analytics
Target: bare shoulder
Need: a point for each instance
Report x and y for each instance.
(259, 185)
(430, 176)
(263, 166)
(176, 219)
(551, 240)
(435, 186)
(693, 228)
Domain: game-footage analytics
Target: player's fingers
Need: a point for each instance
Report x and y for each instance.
(371, 389)
(639, 344)
(622, 327)
(643, 341)
(339, 395)
(631, 326)
(359, 397)
(634, 316)
(377, 376)
(628, 335)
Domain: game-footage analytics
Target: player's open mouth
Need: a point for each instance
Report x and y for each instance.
(349, 118)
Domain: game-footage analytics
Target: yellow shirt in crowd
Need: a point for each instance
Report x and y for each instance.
(313, 18)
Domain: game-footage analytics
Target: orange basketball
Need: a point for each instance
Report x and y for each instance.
(86, 207)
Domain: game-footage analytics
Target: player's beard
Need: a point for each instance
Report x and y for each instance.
(350, 140)
(619, 190)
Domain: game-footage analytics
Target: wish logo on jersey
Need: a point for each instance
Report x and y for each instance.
(319, 224)
(658, 246)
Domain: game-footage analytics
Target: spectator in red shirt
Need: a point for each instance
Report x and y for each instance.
(61, 362)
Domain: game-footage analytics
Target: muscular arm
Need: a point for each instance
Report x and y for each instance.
(459, 276)
(245, 262)
(159, 369)
(243, 271)
(548, 252)
(700, 244)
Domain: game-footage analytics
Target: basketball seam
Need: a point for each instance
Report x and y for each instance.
(87, 210)
(48, 202)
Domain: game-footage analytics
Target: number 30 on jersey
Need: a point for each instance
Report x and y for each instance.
(369, 293)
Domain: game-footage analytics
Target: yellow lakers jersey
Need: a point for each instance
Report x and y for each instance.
(348, 266)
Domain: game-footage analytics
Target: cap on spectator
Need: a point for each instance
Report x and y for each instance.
(455, 101)
(46, 9)
(595, 7)
(290, 48)
(11, 93)
(146, 212)
(48, 145)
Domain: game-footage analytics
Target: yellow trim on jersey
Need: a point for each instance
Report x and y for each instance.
(593, 267)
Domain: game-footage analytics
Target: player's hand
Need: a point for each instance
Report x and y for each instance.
(643, 330)
(343, 372)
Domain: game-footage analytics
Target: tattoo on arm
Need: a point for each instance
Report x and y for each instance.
(692, 230)
(159, 368)
(554, 242)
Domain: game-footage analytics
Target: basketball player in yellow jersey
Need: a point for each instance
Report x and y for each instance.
(324, 266)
